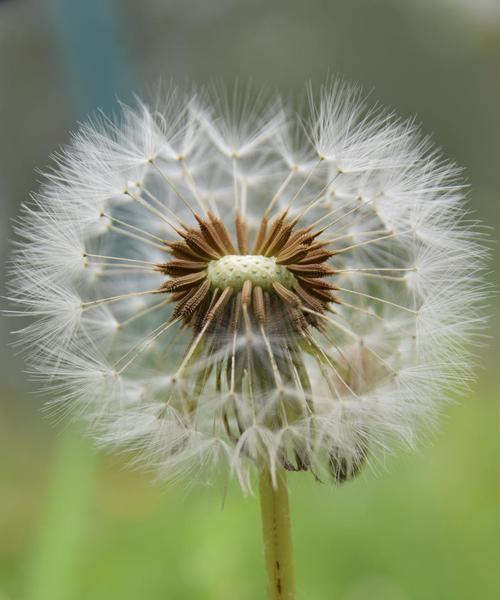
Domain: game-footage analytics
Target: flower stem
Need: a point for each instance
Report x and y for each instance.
(277, 533)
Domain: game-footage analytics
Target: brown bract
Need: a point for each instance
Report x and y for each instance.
(281, 310)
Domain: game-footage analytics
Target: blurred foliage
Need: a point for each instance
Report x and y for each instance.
(74, 525)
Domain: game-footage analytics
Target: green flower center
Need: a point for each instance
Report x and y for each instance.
(234, 269)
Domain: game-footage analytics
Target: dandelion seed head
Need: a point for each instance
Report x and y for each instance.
(217, 283)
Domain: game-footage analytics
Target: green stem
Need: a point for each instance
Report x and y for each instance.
(277, 533)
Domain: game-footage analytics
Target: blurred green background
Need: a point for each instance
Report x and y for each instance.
(75, 525)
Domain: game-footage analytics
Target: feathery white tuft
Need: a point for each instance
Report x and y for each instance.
(408, 275)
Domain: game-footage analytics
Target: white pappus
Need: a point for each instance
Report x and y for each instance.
(216, 281)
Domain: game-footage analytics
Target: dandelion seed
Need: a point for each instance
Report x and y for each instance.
(265, 305)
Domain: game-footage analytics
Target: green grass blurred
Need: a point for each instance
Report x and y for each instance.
(425, 527)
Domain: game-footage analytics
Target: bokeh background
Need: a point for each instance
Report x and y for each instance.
(76, 525)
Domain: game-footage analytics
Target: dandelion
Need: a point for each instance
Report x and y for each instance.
(218, 283)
